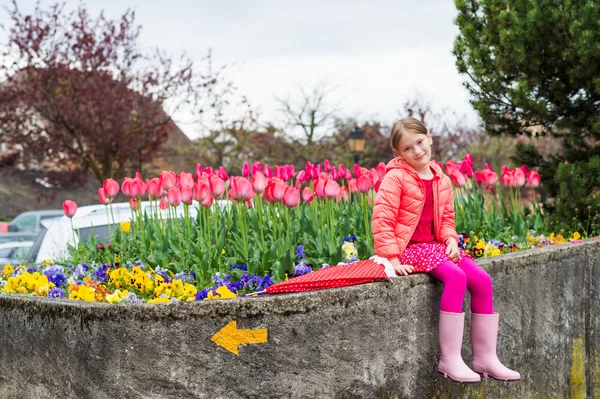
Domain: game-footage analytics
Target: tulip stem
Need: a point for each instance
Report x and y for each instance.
(73, 231)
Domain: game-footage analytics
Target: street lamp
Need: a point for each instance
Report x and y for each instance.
(356, 142)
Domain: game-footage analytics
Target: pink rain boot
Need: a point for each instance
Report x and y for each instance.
(484, 335)
(451, 363)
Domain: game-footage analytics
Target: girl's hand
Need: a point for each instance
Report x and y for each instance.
(452, 249)
(401, 269)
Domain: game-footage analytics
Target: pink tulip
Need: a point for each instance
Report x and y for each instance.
(327, 165)
(458, 178)
(208, 202)
(519, 177)
(357, 170)
(164, 204)
(342, 169)
(489, 167)
(466, 169)
(246, 169)
(222, 173)
(259, 182)
(198, 170)
(352, 185)
(138, 175)
(306, 193)
(111, 188)
(186, 195)
(137, 188)
(331, 189)
(241, 189)
(155, 188)
(185, 179)
(267, 170)
(291, 171)
(168, 179)
(318, 170)
(348, 174)
(70, 207)
(279, 188)
(217, 186)
(126, 186)
(309, 169)
(363, 183)
(208, 170)
(533, 179)
(256, 167)
(374, 175)
(451, 166)
(102, 197)
(320, 186)
(301, 176)
(507, 177)
(334, 173)
(376, 186)
(478, 177)
(174, 196)
(489, 178)
(201, 190)
(134, 204)
(525, 169)
(342, 195)
(291, 197)
(381, 169)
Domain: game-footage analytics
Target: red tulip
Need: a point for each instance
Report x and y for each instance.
(185, 179)
(246, 169)
(466, 169)
(381, 169)
(164, 204)
(306, 193)
(363, 183)
(102, 197)
(137, 188)
(174, 196)
(533, 179)
(111, 188)
(259, 182)
(168, 179)
(525, 169)
(134, 203)
(458, 178)
(155, 188)
(291, 197)
(70, 208)
(331, 189)
(208, 170)
(519, 177)
(451, 166)
(208, 202)
(241, 189)
(357, 170)
(186, 195)
(217, 186)
(478, 177)
(126, 186)
(222, 173)
(201, 189)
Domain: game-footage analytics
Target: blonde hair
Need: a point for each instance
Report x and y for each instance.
(406, 125)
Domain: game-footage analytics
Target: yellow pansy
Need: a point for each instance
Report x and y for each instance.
(496, 252)
(8, 270)
(161, 299)
(576, 236)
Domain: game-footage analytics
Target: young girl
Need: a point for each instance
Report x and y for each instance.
(413, 226)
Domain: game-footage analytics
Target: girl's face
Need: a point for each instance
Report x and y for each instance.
(415, 149)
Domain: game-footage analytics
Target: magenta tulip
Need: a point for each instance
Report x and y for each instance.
(246, 169)
(208, 170)
(291, 197)
(198, 170)
(217, 186)
(222, 173)
(381, 169)
(342, 169)
(111, 188)
(70, 208)
(357, 170)
(256, 166)
(363, 183)
(327, 165)
(102, 197)
(469, 160)
(155, 188)
(267, 170)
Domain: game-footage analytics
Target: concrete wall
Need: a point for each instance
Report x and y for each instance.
(371, 341)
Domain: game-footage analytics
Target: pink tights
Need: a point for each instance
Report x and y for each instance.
(458, 278)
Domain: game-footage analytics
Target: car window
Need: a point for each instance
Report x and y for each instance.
(33, 251)
(20, 252)
(6, 252)
(101, 233)
(49, 217)
(26, 223)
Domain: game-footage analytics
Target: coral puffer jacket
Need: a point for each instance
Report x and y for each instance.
(399, 203)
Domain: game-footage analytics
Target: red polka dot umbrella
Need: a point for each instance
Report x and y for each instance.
(361, 272)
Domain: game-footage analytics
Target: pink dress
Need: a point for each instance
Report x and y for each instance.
(423, 252)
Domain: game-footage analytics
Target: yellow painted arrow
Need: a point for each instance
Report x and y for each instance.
(229, 337)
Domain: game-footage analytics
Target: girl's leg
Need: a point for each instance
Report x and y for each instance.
(455, 284)
(479, 284)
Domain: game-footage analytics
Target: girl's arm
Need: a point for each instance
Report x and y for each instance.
(385, 213)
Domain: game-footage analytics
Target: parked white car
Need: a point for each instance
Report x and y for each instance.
(52, 242)
(14, 252)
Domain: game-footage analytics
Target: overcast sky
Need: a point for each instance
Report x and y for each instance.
(379, 53)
